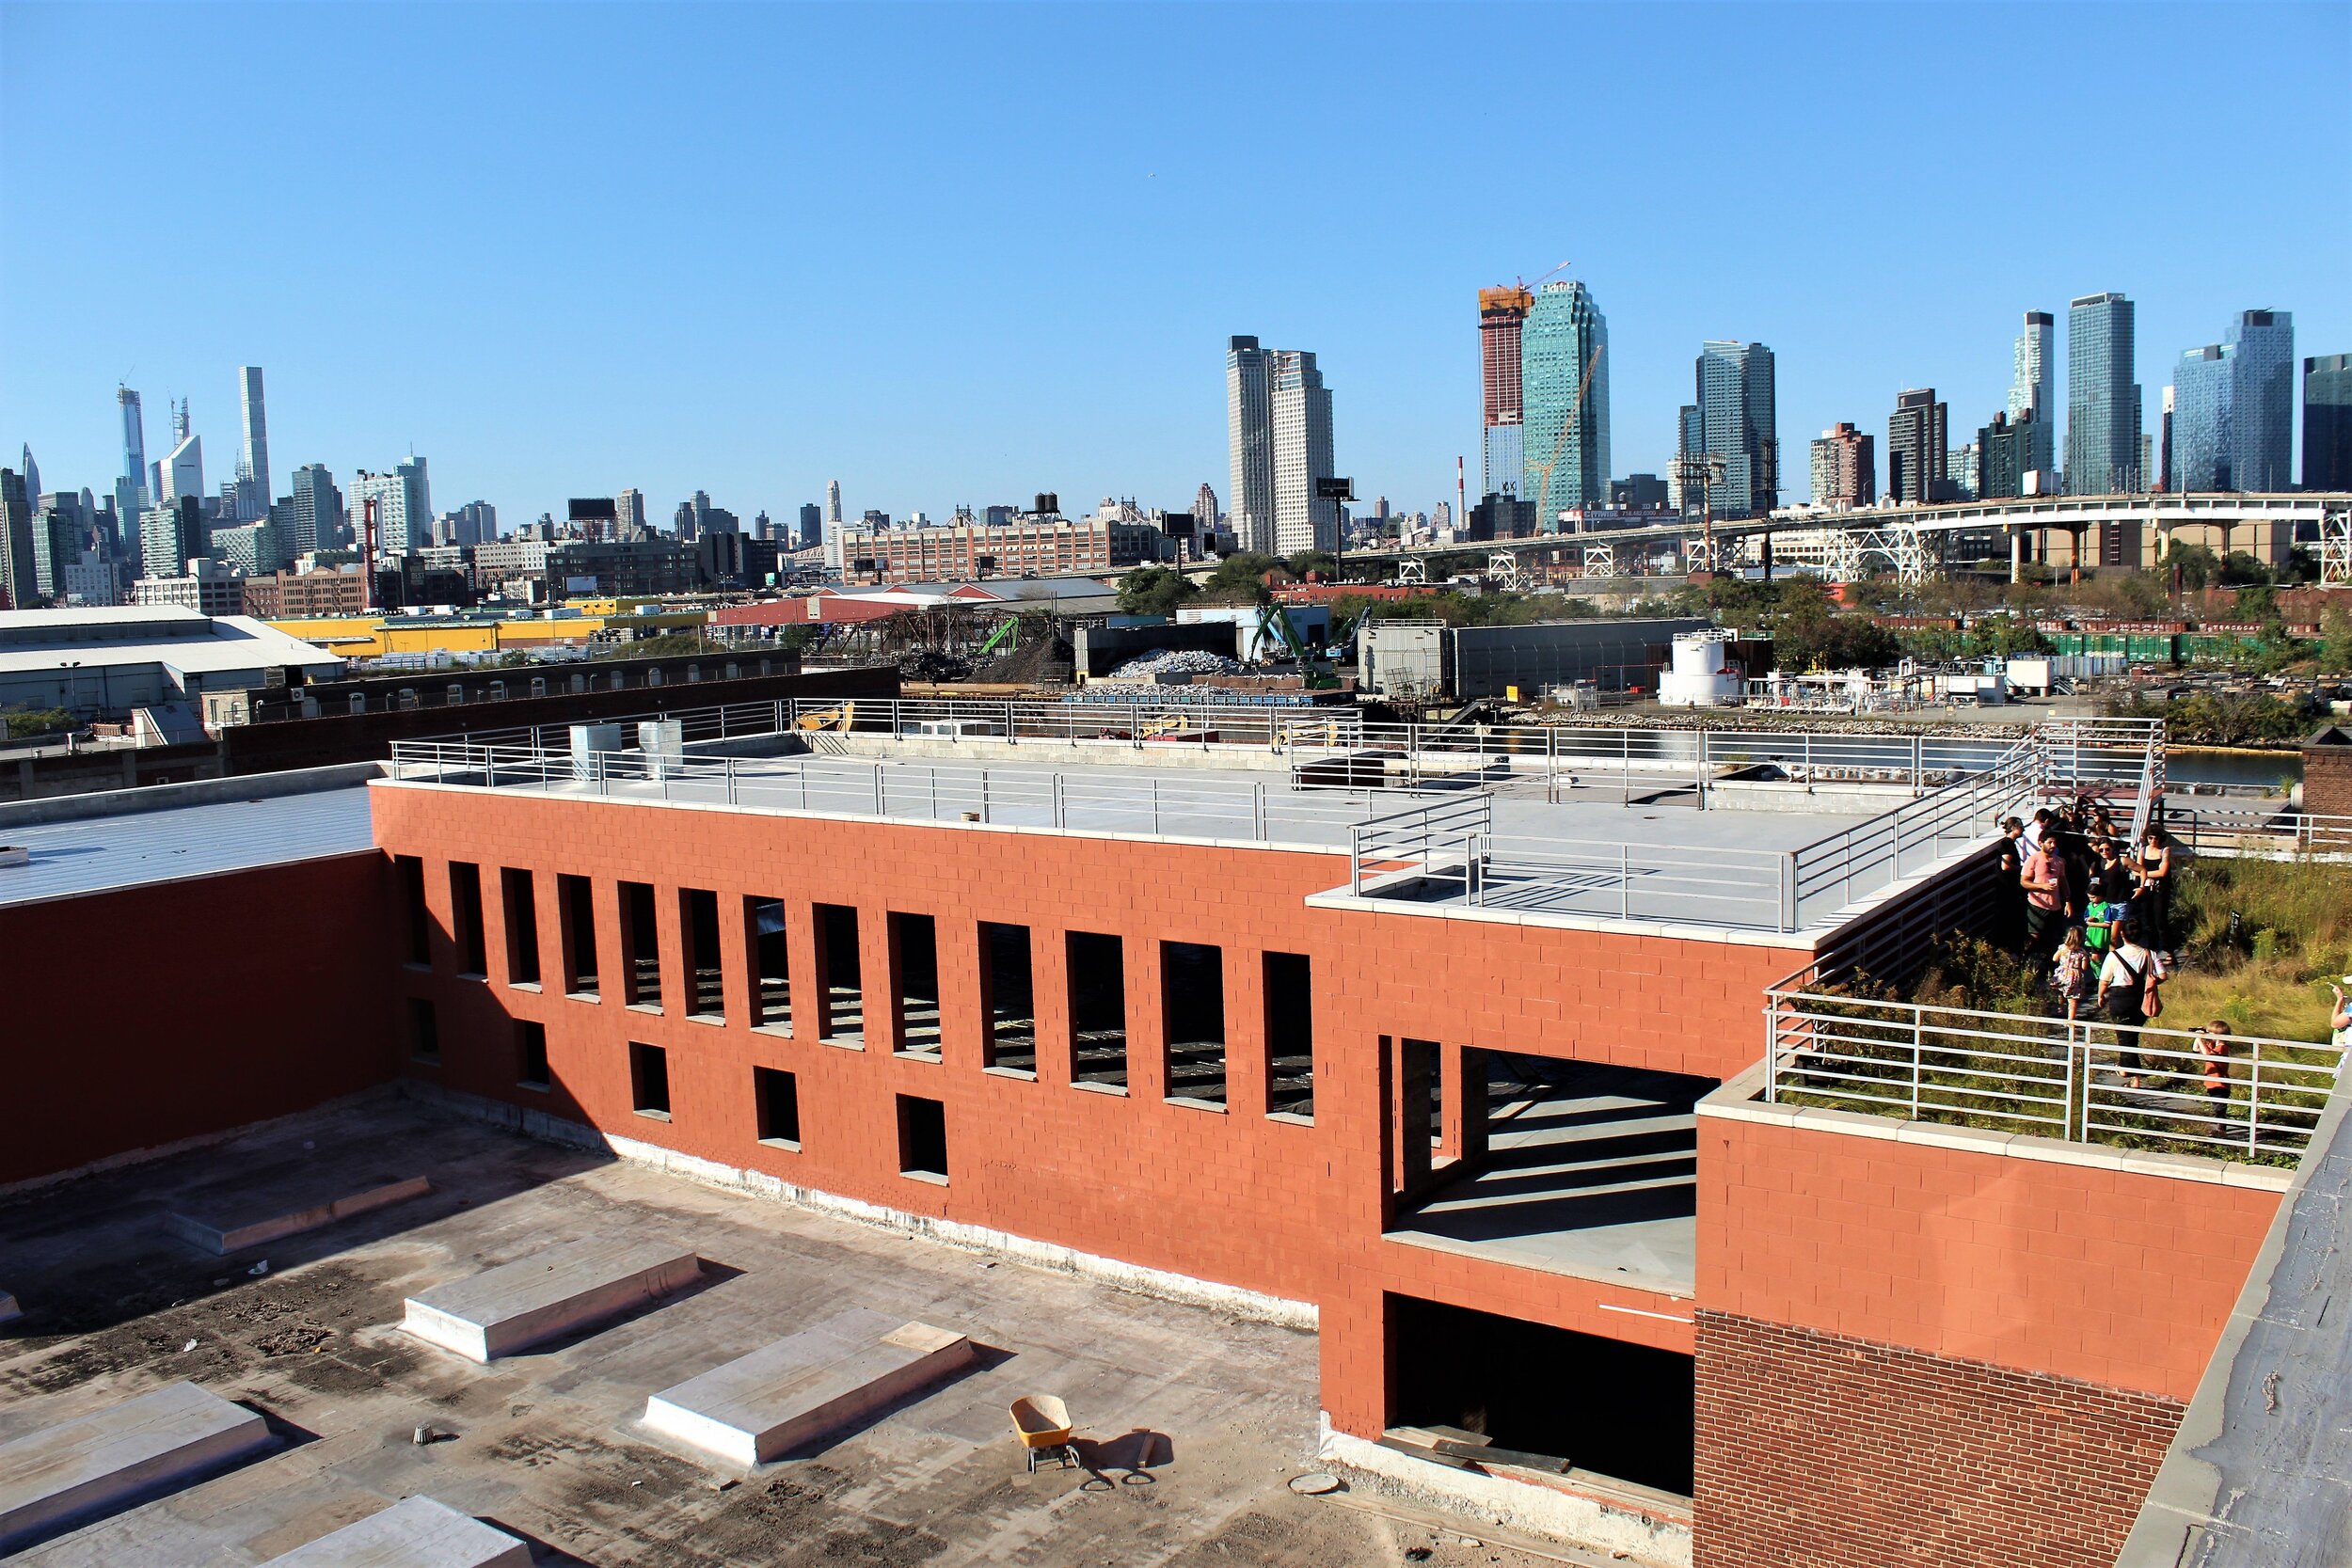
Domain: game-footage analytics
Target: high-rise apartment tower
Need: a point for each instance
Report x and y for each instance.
(2102, 397)
(1916, 454)
(1845, 469)
(1299, 413)
(1735, 423)
(2327, 422)
(1250, 444)
(1502, 318)
(253, 491)
(1563, 389)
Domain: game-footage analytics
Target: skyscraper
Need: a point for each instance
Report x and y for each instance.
(2033, 388)
(812, 527)
(1502, 318)
(20, 574)
(1916, 454)
(404, 507)
(2262, 399)
(1735, 423)
(2168, 477)
(2328, 423)
(184, 470)
(2103, 396)
(1564, 395)
(171, 535)
(253, 492)
(317, 518)
(130, 493)
(2204, 390)
(1250, 444)
(1299, 413)
(832, 503)
(1845, 471)
(2005, 454)
(1204, 509)
(629, 515)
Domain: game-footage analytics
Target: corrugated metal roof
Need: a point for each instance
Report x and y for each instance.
(105, 852)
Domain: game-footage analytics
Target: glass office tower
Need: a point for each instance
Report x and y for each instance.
(1565, 460)
(2102, 415)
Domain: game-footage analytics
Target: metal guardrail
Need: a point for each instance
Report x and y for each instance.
(2256, 830)
(1420, 838)
(2046, 1076)
(1115, 801)
(1967, 809)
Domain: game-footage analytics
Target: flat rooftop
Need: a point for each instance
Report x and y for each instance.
(133, 848)
(1190, 1421)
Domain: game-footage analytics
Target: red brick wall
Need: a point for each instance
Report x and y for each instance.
(2111, 1276)
(1825, 1450)
(1290, 1210)
(151, 1014)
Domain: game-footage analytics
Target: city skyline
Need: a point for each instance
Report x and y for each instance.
(516, 405)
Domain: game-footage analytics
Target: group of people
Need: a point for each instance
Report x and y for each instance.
(2093, 913)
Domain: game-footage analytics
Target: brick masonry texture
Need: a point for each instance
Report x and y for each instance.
(1819, 1449)
(230, 1000)
(1231, 1197)
(2117, 1277)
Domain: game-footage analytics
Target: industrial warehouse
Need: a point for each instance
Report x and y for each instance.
(1446, 1051)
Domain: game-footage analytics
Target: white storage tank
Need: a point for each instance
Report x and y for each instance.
(1697, 677)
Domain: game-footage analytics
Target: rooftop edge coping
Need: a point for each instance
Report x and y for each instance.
(1736, 1102)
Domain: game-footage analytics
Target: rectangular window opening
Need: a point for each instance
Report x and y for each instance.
(776, 1097)
(915, 985)
(706, 978)
(772, 987)
(1192, 1007)
(531, 1054)
(1007, 999)
(1097, 968)
(649, 1081)
(465, 902)
(575, 909)
(519, 901)
(410, 872)
(841, 996)
(1290, 1036)
(641, 947)
(922, 1137)
(424, 1031)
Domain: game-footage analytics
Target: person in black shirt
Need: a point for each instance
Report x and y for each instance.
(2010, 895)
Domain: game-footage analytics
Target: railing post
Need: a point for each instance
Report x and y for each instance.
(1789, 890)
(878, 791)
(1624, 883)
(1918, 1017)
(1355, 861)
(2254, 1103)
(730, 762)
(1257, 809)
(984, 801)
(1058, 810)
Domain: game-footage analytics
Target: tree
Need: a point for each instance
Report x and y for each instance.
(1810, 634)
(2335, 641)
(1240, 579)
(1154, 591)
(2194, 565)
(1309, 561)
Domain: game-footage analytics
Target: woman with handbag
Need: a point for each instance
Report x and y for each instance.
(2128, 995)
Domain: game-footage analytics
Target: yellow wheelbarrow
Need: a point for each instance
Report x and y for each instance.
(1042, 1424)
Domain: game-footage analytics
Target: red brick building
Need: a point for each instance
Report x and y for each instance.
(1499, 1142)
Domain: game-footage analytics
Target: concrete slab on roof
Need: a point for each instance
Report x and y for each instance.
(98, 854)
(573, 1286)
(415, 1532)
(120, 1454)
(223, 1222)
(761, 1406)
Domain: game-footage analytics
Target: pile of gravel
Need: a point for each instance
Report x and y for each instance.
(1175, 661)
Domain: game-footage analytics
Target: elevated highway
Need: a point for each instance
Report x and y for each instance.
(1910, 542)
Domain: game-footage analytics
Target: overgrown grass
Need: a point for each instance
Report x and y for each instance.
(2269, 975)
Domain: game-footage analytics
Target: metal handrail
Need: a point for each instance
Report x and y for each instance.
(2052, 1077)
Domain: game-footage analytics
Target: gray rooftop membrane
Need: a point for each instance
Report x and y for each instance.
(120, 1456)
(763, 1406)
(101, 853)
(415, 1532)
(515, 1306)
(227, 1221)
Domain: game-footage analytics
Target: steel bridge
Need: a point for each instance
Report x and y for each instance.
(1910, 541)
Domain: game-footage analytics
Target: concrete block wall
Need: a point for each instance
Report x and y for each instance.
(1232, 1197)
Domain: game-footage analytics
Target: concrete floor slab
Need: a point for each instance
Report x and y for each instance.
(415, 1532)
(1596, 1178)
(546, 1446)
(119, 1455)
(555, 1291)
(782, 1396)
(222, 1223)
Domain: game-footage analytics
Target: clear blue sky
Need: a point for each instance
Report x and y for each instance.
(961, 254)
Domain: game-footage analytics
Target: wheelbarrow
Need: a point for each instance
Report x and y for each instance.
(1042, 1424)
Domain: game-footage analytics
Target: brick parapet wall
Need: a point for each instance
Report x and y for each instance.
(1824, 1450)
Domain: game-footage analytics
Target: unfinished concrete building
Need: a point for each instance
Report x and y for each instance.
(1523, 1070)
